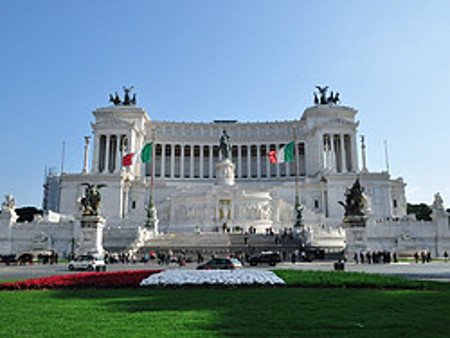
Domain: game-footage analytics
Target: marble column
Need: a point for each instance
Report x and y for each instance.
(202, 159)
(249, 161)
(107, 152)
(163, 160)
(211, 161)
(191, 172)
(277, 148)
(96, 157)
(288, 169)
(343, 154)
(258, 160)
(182, 161)
(353, 153)
(118, 155)
(86, 155)
(172, 160)
(239, 160)
(333, 154)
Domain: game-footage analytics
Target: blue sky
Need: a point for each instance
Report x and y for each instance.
(206, 60)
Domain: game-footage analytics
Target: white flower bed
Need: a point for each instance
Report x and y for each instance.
(213, 277)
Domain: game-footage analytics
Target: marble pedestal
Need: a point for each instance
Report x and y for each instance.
(90, 236)
(225, 172)
(355, 234)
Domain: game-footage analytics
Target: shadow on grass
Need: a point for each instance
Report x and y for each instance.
(275, 311)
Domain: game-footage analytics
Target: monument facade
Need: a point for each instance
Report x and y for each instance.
(224, 176)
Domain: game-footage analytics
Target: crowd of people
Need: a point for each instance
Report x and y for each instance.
(375, 257)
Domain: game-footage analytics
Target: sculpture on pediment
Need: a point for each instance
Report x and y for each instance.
(90, 203)
(225, 146)
(9, 203)
(355, 201)
(127, 99)
(322, 94)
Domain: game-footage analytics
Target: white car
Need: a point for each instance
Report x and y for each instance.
(87, 262)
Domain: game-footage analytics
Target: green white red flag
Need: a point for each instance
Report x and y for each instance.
(284, 154)
(145, 155)
(127, 160)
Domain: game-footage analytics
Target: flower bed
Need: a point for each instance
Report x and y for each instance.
(213, 277)
(119, 279)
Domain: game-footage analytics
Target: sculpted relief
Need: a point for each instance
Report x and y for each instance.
(254, 212)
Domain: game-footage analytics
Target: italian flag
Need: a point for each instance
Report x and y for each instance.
(127, 160)
(146, 155)
(285, 154)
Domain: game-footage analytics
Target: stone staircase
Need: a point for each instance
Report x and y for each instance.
(219, 243)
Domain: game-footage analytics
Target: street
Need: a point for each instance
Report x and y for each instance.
(437, 271)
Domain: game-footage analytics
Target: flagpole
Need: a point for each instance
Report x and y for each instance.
(294, 134)
(298, 207)
(152, 220)
(152, 174)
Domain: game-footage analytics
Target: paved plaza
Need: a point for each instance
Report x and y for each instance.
(437, 271)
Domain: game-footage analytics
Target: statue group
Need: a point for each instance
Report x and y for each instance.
(127, 99)
(9, 203)
(355, 201)
(333, 98)
(90, 203)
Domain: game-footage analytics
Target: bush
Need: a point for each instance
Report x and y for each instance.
(119, 279)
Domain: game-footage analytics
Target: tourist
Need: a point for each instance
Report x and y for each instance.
(361, 257)
(416, 257)
(395, 257)
(369, 257)
(293, 258)
(445, 256)
(355, 257)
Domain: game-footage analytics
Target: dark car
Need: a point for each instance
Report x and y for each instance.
(269, 257)
(8, 259)
(221, 264)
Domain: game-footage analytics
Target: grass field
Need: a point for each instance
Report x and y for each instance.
(250, 312)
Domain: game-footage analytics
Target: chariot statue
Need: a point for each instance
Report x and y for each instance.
(127, 99)
(323, 98)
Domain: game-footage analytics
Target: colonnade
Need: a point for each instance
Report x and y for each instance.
(339, 153)
(109, 150)
(190, 161)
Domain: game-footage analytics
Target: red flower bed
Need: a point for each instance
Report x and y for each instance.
(119, 279)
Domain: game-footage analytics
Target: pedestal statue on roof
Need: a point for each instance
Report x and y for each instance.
(225, 146)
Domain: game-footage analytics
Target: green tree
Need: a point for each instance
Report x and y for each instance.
(422, 211)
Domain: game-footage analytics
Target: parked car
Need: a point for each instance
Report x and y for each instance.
(8, 259)
(269, 257)
(221, 264)
(87, 262)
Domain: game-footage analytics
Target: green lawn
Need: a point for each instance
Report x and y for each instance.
(263, 312)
